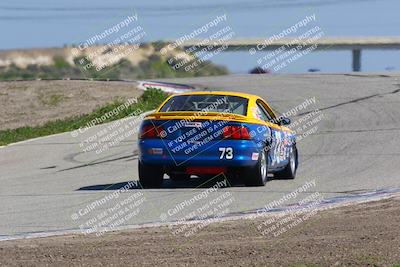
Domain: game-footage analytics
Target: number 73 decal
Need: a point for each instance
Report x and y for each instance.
(226, 152)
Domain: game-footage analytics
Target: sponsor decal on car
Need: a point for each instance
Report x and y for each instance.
(254, 156)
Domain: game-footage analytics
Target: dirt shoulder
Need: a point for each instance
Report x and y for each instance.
(361, 235)
(32, 103)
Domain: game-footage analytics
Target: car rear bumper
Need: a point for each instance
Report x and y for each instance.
(158, 152)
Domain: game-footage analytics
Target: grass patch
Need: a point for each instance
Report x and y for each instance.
(150, 99)
(51, 100)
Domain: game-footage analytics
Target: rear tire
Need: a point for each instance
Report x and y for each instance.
(257, 175)
(289, 172)
(150, 175)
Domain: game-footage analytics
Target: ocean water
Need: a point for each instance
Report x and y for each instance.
(50, 23)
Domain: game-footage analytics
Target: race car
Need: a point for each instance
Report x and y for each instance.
(211, 133)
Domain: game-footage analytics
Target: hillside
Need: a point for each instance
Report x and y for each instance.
(102, 62)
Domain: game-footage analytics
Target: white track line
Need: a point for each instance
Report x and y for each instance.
(364, 198)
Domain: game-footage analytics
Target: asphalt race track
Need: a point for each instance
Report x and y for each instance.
(46, 182)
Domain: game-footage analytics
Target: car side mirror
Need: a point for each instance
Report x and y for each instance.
(284, 121)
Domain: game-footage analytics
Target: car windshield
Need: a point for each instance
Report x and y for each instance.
(207, 103)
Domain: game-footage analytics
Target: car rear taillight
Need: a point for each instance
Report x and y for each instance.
(236, 132)
(152, 131)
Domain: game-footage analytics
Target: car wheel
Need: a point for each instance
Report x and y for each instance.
(257, 175)
(289, 172)
(150, 175)
(179, 176)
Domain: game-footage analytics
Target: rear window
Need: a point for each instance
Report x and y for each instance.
(207, 103)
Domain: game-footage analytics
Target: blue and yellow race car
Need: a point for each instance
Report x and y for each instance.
(212, 132)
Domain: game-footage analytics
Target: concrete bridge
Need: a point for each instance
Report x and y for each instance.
(354, 44)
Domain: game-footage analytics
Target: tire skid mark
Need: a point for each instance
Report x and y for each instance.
(356, 100)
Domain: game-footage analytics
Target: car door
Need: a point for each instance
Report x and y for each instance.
(277, 154)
